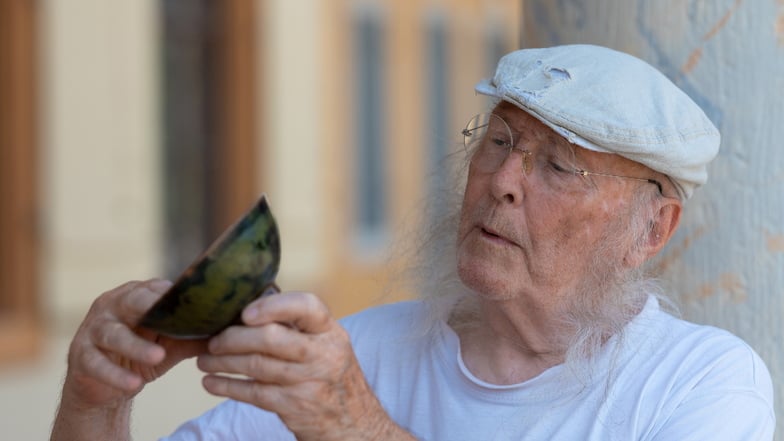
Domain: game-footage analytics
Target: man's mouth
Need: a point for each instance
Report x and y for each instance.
(490, 233)
(495, 236)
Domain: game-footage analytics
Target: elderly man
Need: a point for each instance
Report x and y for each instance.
(542, 326)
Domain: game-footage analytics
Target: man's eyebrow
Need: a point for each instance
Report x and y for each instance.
(521, 132)
(524, 132)
(554, 138)
(537, 136)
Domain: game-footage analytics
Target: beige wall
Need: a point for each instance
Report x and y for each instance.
(100, 191)
(293, 133)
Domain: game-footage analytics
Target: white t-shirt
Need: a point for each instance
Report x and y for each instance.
(668, 380)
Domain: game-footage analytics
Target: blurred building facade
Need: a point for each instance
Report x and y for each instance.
(151, 125)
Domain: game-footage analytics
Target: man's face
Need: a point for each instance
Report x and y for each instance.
(536, 235)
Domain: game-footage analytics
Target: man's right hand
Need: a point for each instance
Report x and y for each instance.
(110, 360)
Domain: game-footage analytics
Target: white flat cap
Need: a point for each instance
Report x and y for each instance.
(607, 101)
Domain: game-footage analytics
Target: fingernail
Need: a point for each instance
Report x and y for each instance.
(156, 354)
(160, 284)
(250, 314)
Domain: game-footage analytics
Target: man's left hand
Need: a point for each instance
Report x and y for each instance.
(294, 359)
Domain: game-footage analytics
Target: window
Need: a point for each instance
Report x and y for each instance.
(186, 131)
(370, 172)
(209, 121)
(437, 127)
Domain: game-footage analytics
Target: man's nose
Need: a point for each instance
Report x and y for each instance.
(508, 181)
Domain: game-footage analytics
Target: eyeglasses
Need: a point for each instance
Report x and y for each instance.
(489, 142)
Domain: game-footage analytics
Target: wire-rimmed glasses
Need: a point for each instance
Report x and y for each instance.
(488, 141)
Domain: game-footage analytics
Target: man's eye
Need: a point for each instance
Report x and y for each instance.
(557, 167)
(500, 142)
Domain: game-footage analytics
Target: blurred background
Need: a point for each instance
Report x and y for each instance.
(133, 132)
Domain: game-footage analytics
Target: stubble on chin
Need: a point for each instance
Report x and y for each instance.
(488, 274)
(488, 270)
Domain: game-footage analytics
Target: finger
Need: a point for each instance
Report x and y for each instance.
(131, 300)
(273, 339)
(182, 349)
(95, 364)
(266, 396)
(305, 311)
(156, 285)
(159, 286)
(139, 299)
(116, 337)
(256, 366)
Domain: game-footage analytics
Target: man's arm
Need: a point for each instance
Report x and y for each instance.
(109, 362)
(74, 423)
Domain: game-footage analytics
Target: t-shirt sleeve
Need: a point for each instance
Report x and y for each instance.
(732, 402)
(233, 421)
(730, 416)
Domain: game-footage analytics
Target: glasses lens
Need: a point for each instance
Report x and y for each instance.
(488, 140)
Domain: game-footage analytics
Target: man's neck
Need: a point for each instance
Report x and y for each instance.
(511, 344)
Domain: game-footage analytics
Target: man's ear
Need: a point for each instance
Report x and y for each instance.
(664, 223)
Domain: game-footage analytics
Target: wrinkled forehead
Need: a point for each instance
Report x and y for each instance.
(525, 127)
(530, 131)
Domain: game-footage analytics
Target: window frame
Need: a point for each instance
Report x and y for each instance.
(21, 325)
